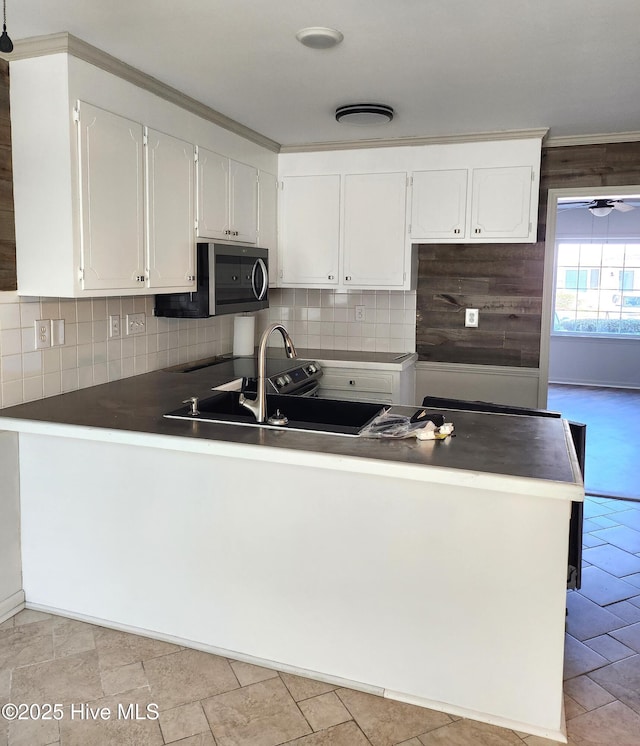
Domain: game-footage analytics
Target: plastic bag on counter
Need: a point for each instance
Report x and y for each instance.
(422, 425)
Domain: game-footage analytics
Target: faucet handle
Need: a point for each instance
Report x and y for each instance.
(193, 401)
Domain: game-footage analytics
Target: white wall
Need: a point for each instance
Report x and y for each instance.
(595, 361)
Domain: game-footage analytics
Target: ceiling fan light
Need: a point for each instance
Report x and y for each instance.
(364, 114)
(600, 212)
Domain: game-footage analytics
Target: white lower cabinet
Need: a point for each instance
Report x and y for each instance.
(367, 384)
(344, 231)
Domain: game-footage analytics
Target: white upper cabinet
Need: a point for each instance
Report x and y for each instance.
(105, 182)
(474, 205)
(111, 200)
(439, 204)
(309, 230)
(227, 198)
(243, 202)
(267, 221)
(170, 167)
(501, 201)
(375, 219)
(344, 231)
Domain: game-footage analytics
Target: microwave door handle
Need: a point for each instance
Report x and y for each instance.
(265, 279)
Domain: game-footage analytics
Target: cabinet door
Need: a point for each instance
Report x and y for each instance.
(170, 211)
(439, 204)
(243, 202)
(500, 202)
(111, 200)
(267, 221)
(213, 195)
(309, 230)
(375, 237)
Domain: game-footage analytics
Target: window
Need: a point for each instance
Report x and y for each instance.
(597, 289)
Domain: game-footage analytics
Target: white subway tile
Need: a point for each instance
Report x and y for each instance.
(68, 360)
(12, 393)
(11, 368)
(32, 364)
(85, 377)
(69, 380)
(51, 384)
(10, 342)
(29, 313)
(9, 315)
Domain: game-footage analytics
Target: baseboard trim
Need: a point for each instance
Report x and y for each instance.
(11, 606)
(558, 735)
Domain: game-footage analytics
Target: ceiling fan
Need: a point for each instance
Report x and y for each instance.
(599, 207)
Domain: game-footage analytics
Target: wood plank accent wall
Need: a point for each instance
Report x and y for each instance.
(504, 281)
(7, 221)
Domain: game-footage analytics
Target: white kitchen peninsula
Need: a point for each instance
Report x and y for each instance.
(428, 572)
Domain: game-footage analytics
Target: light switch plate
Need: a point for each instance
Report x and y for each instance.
(471, 317)
(57, 332)
(136, 323)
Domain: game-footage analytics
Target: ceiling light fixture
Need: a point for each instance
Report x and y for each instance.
(364, 114)
(6, 45)
(319, 37)
(600, 212)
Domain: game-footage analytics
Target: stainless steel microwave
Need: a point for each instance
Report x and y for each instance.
(230, 279)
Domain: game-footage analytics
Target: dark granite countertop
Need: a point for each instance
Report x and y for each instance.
(530, 447)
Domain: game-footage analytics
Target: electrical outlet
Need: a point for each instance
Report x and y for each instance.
(471, 317)
(136, 323)
(360, 313)
(114, 326)
(43, 333)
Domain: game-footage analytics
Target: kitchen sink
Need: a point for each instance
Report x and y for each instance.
(330, 416)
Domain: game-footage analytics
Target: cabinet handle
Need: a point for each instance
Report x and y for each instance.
(191, 278)
(227, 233)
(456, 230)
(347, 278)
(236, 233)
(140, 278)
(330, 277)
(352, 383)
(478, 230)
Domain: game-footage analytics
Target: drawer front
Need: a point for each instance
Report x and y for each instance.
(357, 380)
(375, 396)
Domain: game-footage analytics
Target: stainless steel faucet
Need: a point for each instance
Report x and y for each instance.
(259, 405)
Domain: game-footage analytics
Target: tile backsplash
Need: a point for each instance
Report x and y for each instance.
(325, 319)
(88, 357)
(315, 319)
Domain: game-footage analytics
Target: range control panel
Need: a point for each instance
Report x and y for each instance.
(297, 380)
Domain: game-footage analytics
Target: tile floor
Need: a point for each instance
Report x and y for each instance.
(206, 700)
(612, 417)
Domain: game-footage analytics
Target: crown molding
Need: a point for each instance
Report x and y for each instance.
(39, 46)
(416, 141)
(601, 139)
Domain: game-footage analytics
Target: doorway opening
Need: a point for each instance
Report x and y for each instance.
(590, 342)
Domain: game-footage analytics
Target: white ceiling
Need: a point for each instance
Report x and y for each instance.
(448, 67)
